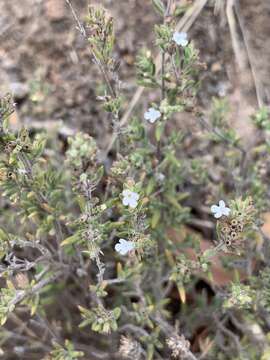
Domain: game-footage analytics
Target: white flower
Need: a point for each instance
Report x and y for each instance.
(22, 171)
(123, 246)
(130, 198)
(220, 210)
(152, 115)
(180, 38)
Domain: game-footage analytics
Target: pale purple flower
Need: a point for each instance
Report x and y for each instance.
(180, 38)
(123, 247)
(220, 210)
(152, 115)
(130, 198)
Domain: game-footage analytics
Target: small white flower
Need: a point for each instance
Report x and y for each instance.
(22, 171)
(220, 210)
(180, 38)
(152, 115)
(123, 246)
(130, 198)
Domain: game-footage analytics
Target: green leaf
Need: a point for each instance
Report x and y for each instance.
(3, 235)
(150, 351)
(106, 328)
(209, 253)
(150, 186)
(70, 240)
(159, 7)
(3, 320)
(172, 200)
(159, 131)
(114, 326)
(6, 124)
(34, 305)
(81, 202)
(96, 327)
(155, 219)
(117, 312)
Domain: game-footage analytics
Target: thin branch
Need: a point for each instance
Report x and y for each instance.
(21, 294)
(80, 26)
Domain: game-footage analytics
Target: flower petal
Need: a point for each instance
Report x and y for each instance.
(214, 208)
(218, 214)
(147, 115)
(126, 192)
(133, 203)
(226, 211)
(122, 241)
(152, 120)
(119, 249)
(180, 38)
(126, 201)
(136, 196)
(152, 115)
(183, 42)
(124, 246)
(221, 204)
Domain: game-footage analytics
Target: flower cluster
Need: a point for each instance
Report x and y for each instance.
(233, 223)
(129, 348)
(179, 346)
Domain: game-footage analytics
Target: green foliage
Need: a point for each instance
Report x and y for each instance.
(82, 149)
(261, 119)
(164, 36)
(152, 343)
(100, 319)
(232, 231)
(66, 352)
(159, 7)
(146, 69)
(89, 228)
(101, 37)
(262, 285)
(241, 296)
(7, 303)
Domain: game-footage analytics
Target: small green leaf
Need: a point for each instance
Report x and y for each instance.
(155, 219)
(159, 131)
(6, 124)
(209, 253)
(3, 235)
(96, 326)
(117, 312)
(70, 240)
(106, 328)
(150, 186)
(159, 7)
(172, 200)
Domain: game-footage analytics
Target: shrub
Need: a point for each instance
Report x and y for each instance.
(89, 260)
